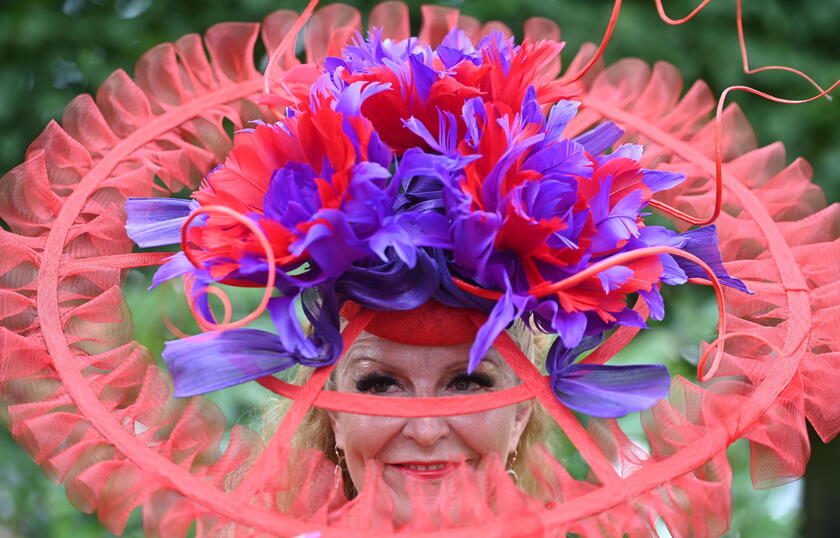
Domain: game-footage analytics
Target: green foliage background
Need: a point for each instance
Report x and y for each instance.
(51, 51)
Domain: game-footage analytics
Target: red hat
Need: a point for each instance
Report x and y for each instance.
(95, 410)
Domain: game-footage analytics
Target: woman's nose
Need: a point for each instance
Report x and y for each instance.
(426, 431)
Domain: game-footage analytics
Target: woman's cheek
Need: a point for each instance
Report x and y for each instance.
(488, 432)
(362, 437)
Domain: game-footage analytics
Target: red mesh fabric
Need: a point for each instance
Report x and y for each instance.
(92, 408)
(330, 30)
(773, 218)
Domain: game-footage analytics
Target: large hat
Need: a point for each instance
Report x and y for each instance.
(416, 222)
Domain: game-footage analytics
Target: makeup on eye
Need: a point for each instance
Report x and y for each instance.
(461, 381)
(376, 382)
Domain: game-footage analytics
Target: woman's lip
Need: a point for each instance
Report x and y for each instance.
(425, 470)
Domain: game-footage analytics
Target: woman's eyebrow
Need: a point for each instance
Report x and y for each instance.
(493, 358)
(463, 363)
(363, 360)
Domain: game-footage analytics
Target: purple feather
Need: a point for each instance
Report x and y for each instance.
(506, 310)
(220, 359)
(603, 390)
(392, 285)
(422, 76)
(156, 222)
(660, 180)
(599, 139)
(703, 243)
(614, 277)
(611, 391)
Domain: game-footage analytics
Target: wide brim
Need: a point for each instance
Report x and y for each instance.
(93, 408)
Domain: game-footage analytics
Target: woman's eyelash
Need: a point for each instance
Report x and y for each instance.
(380, 382)
(374, 380)
(480, 378)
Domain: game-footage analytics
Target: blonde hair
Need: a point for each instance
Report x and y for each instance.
(315, 431)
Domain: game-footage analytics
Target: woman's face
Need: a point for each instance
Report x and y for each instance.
(422, 449)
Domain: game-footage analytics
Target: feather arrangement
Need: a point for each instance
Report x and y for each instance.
(409, 173)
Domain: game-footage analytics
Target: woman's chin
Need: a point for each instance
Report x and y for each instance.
(418, 494)
(410, 488)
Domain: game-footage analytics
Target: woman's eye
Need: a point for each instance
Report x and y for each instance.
(382, 386)
(377, 384)
(464, 382)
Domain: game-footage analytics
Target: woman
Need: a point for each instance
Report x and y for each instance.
(419, 453)
(402, 177)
